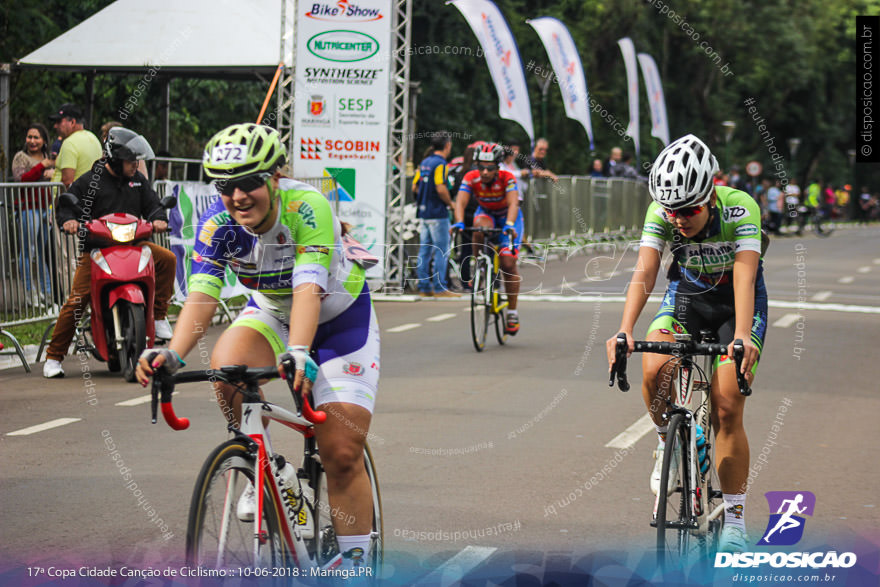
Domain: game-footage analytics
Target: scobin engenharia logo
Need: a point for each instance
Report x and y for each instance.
(786, 528)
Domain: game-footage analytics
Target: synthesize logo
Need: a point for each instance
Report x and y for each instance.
(786, 526)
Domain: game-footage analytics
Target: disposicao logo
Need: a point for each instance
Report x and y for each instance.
(342, 46)
(786, 526)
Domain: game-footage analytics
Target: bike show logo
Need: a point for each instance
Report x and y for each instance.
(786, 526)
(343, 11)
(342, 46)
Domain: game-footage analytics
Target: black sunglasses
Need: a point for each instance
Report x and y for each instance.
(487, 167)
(247, 184)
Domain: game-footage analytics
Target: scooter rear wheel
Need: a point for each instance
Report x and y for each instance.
(134, 337)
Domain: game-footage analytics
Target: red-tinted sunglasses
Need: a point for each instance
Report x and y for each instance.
(684, 212)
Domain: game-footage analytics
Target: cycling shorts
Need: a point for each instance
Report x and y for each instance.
(345, 348)
(507, 249)
(686, 311)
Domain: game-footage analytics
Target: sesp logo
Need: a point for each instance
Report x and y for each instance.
(786, 526)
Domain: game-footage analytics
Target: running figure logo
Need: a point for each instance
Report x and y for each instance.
(786, 526)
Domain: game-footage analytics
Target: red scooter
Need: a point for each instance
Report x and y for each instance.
(123, 285)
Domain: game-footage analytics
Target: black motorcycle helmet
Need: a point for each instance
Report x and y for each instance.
(125, 145)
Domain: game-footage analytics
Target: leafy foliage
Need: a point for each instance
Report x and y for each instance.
(794, 58)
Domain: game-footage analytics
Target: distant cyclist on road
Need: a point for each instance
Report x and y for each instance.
(498, 199)
(309, 302)
(715, 282)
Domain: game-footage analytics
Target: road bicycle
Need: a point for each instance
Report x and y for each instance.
(486, 300)
(689, 509)
(819, 219)
(291, 532)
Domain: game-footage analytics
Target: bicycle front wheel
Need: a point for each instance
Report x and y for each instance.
(674, 504)
(328, 519)
(216, 537)
(481, 299)
(501, 316)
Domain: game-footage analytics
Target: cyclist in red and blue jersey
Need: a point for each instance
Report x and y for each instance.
(498, 199)
(715, 282)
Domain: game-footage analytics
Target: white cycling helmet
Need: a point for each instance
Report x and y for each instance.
(682, 174)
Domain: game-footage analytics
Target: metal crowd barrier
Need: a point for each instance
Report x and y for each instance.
(579, 206)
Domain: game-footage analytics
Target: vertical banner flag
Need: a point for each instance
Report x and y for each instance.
(502, 56)
(651, 75)
(632, 85)
(568, 68)
(343, 54)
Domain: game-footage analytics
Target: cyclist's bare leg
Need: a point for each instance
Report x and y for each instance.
(238, 346)
(511, 279)
(341, 441)
(731, 443)
(655, 399)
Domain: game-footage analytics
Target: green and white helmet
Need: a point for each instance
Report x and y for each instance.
(243, 149)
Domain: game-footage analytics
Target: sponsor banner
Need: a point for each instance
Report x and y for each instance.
(193, 198)
(341, 109)
(656, 101)
(569, 71)
(632, 84)
(502, 56)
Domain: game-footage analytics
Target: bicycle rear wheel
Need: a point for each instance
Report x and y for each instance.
(215, 537)
(325, 536)
(674, 511)
(481, 298)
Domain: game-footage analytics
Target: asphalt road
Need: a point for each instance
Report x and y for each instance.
(486, 460)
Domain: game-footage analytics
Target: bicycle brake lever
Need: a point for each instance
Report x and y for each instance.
(618, 369)
(739, 351)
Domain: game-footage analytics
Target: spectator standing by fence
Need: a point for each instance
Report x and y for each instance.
(434, 203)
(32, 164)
(537, 163)
(80, 149)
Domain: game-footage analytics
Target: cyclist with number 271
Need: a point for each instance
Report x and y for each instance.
(498, 199)
(715, 282)
(309, 302)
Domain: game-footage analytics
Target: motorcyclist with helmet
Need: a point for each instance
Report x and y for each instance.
(113, 185)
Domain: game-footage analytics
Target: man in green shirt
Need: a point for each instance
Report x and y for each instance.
(80, 148)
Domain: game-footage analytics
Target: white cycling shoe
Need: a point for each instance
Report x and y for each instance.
(672, 482)
(733, 539)
(247, 504)
(163, 329)
(52, 369)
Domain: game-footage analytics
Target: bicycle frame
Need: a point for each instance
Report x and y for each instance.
(253, 433)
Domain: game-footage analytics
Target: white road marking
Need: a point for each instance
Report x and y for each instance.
(44, 426)
(821, 296)
(787, 320)
(631, 435)
(454, 569)
(865, 269)
(404, 327)
(440, 317)
(135, 401)
(847, 279)
(826, 307)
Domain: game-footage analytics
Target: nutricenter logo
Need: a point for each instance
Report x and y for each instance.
(342, 46)
(343, 11)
